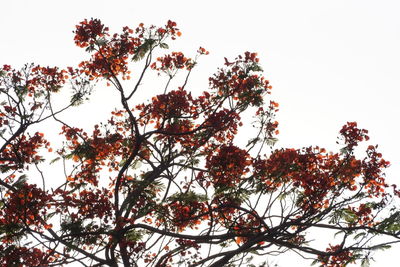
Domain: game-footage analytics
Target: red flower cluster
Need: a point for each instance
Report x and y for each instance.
(51, 79)
(112, 53)
(174, 104)
(23, 256)
(170, 63)
(24, 150)
(87, 32)
(337, 257)
(353, 135)
(94, 204)
(187, 214)
(27, 206)
(240, 80)
(227, 166)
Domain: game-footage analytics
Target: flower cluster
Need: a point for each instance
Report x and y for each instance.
(112, 52)
(337, 257)
(353, 135)
(25, 149)
(241, 81)
(172, 62)
(87, 32)
(227, 166)
(28, 206)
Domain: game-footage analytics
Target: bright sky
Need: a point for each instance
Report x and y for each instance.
(329, 61)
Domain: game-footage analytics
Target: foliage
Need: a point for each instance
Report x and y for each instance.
(165, 182)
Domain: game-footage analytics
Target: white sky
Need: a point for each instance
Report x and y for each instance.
(328, 61)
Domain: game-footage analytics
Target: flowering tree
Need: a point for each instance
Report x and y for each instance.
(165, 182)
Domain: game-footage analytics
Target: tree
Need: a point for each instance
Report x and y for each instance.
(164, 182)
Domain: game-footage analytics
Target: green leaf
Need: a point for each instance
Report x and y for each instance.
(359, 235)
(253, 141)
(164, 46)
(391, 224)
(77, 99)
(188, 197)
(141, 51)
(54, 160)
(2, 131)
(90, 48)
(382, 247)
(365, 262)
(72, 227)
(136, 164)
(338, 233)
(348, 215)
(21, 90)
(20, 181)
(135, 235)
(272, 141)
(101, 41)
(255, 67)
(314, 262)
